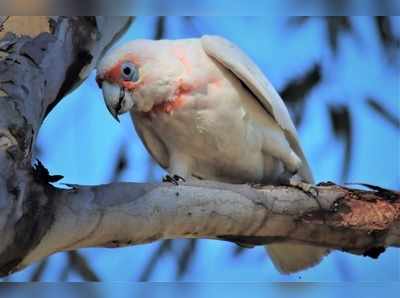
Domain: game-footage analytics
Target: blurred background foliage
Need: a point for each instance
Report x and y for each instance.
(339, 77)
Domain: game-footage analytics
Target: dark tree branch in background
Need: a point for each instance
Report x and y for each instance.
(389, 116)
(295, 92)
(165, 246)
(80, 265)
(341, 122)
(336, 26)
(160, 28)
(39, 270)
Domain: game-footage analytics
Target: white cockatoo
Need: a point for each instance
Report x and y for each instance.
(204, 109)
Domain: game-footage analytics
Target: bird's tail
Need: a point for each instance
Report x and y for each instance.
(293, 257)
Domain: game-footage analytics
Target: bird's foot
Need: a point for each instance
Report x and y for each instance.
(175, 179)
(307, 188)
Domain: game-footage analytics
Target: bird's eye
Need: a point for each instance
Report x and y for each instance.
(129, 72)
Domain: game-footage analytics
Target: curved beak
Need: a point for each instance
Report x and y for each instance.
(113, 97)
(113, 113)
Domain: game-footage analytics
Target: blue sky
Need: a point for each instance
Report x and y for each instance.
(81, 141)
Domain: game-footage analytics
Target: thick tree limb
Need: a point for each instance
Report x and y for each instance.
(36, 219)
(41, 60)
(359, 222)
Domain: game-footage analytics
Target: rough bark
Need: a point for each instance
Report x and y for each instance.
(41, 60)
(37, 219)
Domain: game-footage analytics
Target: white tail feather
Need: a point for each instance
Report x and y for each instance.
(292, 257)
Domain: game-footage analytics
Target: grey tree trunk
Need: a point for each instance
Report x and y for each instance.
(41, 60)
(36, 219)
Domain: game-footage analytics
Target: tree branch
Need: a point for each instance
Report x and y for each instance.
(41, 60)
(119, 214)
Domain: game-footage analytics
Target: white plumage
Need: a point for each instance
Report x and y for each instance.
(204, 109)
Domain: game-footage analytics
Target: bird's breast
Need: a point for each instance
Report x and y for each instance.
(215, 132)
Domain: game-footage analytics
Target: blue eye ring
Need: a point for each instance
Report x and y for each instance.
(129, 72)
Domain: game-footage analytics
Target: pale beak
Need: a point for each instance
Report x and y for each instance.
(113, 98)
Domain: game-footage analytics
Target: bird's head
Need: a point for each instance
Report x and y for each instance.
(136, 76)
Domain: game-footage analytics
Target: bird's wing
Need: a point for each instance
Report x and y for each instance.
(234, 59)
(151, 141)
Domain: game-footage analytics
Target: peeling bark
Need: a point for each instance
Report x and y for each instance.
(37, 219)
